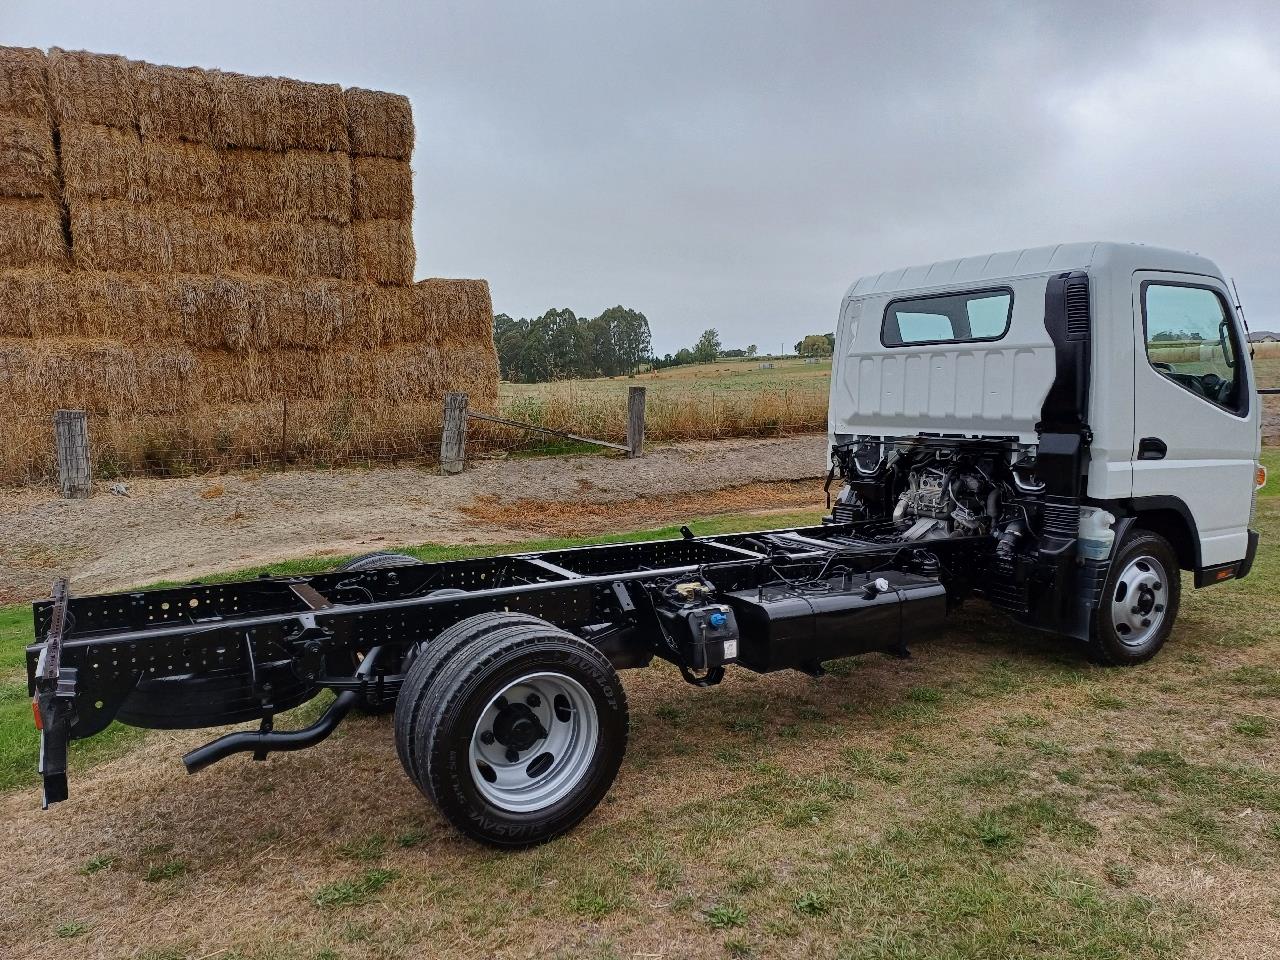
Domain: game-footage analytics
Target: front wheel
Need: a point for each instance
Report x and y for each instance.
(521, 735)
(1139, 602)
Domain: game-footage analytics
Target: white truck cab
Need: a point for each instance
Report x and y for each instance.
(1107, 384)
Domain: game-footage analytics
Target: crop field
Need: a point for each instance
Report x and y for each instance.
(994, 796)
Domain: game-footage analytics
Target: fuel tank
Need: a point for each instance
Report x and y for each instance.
(788, 625)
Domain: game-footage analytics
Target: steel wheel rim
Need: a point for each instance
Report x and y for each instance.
(1139, 601)
(534, 742)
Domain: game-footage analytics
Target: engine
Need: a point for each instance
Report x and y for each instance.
(929, 493)
(948, 499)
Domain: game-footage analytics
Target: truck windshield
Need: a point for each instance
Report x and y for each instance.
(949, 318)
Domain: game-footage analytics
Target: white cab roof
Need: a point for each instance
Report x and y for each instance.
(1120, 257)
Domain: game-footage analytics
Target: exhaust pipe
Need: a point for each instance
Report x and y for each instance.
(262, 742)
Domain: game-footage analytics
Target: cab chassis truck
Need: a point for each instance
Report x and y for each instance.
(1057, 430)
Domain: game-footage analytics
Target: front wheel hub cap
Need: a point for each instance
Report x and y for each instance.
(1139, 601)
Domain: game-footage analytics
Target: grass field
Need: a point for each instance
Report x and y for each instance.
(695, 402)
(995, 796)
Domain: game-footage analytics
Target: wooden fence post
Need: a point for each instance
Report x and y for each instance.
(71, 444)
(453, 437)
(635, 421)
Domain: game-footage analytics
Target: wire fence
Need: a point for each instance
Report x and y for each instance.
(290, 434)
(293, 434)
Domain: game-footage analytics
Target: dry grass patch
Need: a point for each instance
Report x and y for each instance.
(574, 518)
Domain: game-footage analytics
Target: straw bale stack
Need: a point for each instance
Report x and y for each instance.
(183, 250)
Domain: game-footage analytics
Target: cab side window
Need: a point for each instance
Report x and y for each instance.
(948, 318)
(1192, 342)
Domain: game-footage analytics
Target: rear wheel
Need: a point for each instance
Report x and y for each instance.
(428, 663)
(1139, 602)
(520, 735)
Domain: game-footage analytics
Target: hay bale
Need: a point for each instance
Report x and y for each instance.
(400, 373)
(472, 369)
(295, 185)
(227, 311)
(274, 113)
(116, 236)
(332, 313)
(313, 116)
(382, 189)
(457, 317)
(297, 251)
(24, 83)
(384, 251)
(87, 304)
(128, 307)
(247, 112)
(93, 88)
(461, 310)
(35, 303)
(317, 186)
(101, 376)
(163, 238)
(102, 163)
(381, 123)
(175, 103)
(182, 174)
(31, 234)
(28, 164)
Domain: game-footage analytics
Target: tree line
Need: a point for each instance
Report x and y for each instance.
(560, 345)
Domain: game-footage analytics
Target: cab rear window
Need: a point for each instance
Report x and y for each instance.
(948, 318)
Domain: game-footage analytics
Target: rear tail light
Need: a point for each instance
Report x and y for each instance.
(1259, 481)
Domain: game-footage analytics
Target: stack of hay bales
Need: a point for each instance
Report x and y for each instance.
(183, 250)
(31, 229)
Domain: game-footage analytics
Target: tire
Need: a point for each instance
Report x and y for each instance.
(1139, 601)
(476, 751)
(428, 663)
(378, 560)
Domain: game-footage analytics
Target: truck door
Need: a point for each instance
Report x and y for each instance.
(1195, 435)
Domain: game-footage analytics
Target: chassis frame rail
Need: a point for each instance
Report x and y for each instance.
(210, 654)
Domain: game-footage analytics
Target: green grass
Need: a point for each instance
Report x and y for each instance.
(353, 892)
(166, 870)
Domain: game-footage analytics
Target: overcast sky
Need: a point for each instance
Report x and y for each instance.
(737, 164)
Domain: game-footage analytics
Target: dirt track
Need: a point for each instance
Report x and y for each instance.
(174, 529)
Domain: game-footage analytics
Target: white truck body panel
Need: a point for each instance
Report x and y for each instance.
(996, 387)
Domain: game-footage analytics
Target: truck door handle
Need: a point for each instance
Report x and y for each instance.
(1151, 448)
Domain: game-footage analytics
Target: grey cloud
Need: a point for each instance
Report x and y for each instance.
(737, 164)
